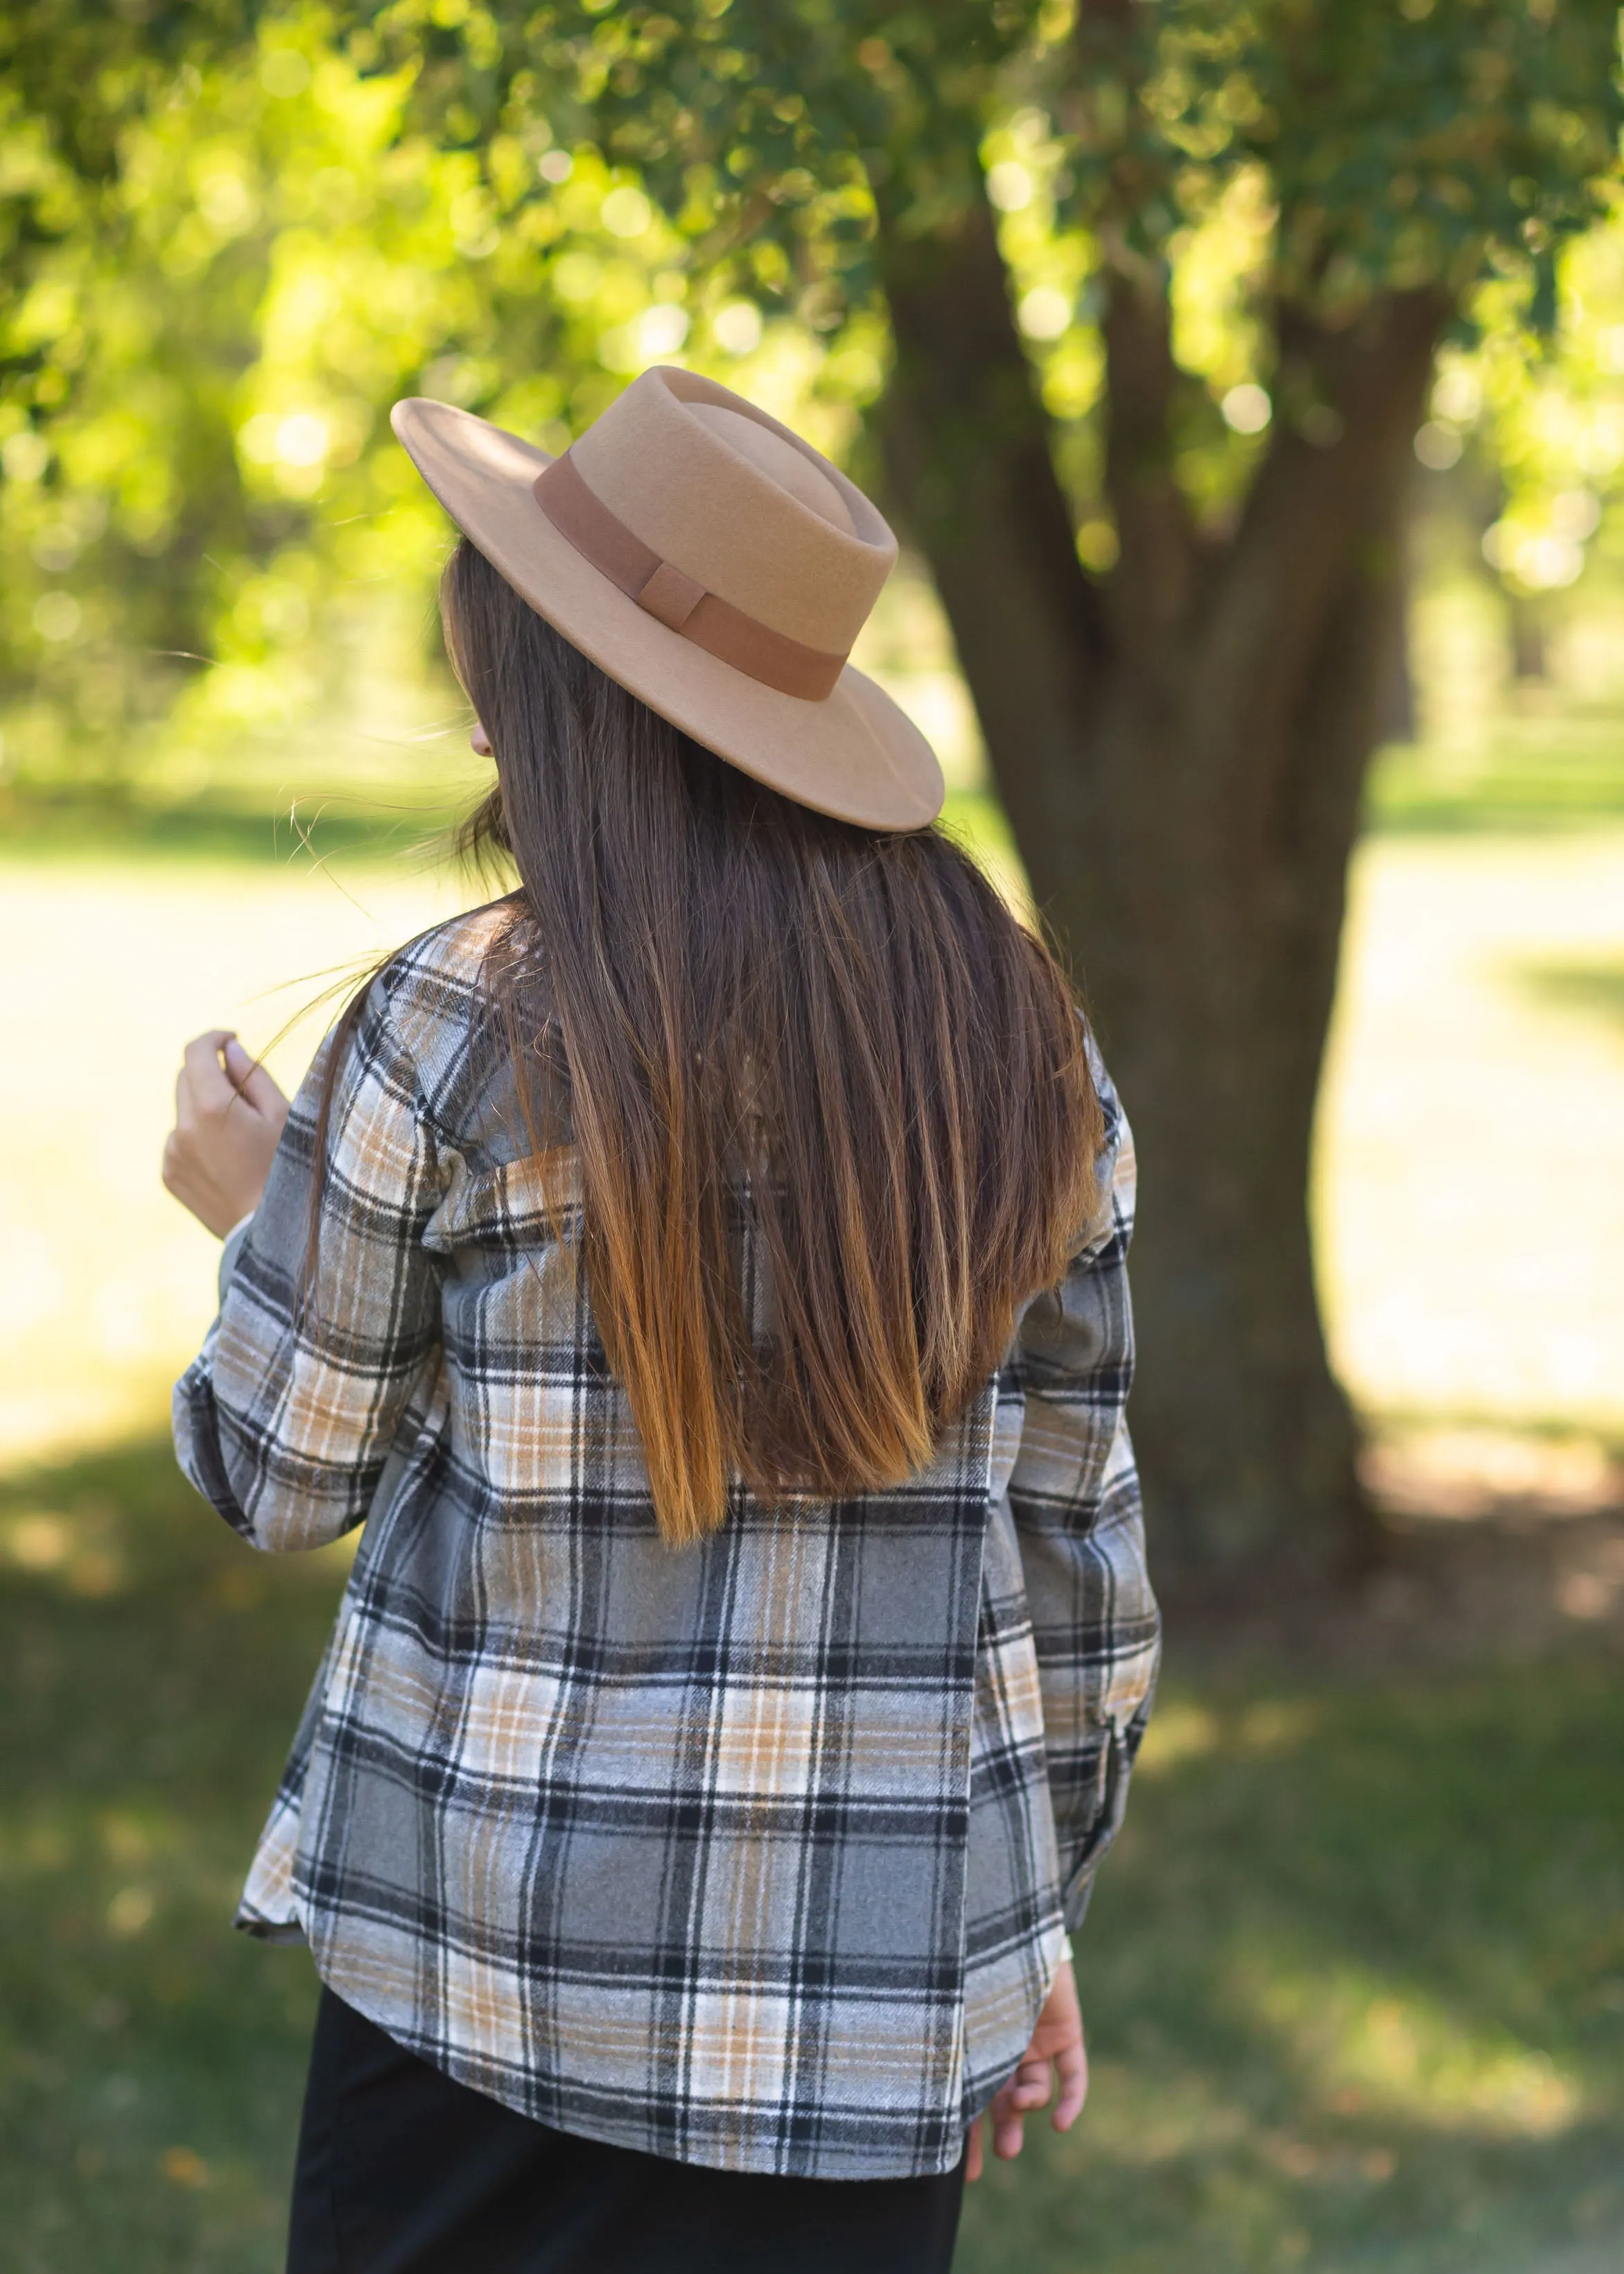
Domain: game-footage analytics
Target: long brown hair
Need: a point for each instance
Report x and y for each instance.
(751, 1006)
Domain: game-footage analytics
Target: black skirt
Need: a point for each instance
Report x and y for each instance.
(402, 2171)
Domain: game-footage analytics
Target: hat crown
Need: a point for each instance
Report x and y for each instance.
(740, 504)
(790, 469)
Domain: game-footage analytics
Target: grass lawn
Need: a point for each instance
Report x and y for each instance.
(1355, 1979)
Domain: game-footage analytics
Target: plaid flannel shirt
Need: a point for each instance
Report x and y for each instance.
(757, 1854)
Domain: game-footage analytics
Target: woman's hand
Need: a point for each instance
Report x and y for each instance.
(1057, 2047)
(228, 1121)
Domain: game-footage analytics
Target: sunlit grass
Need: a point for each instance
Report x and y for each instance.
(1469, 1215)
(1468, 1209)
(108, 1282)
(1407, 2057)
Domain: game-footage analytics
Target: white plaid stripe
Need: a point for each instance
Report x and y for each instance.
(756, 1854)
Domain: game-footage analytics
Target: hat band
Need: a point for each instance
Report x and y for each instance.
(678, 602)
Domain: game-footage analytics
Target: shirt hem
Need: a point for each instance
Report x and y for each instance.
(561, 2109)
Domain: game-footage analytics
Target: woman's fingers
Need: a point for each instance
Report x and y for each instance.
(1009, 2132)
(228, 1119)
(1032, 2083)
(973, 2151)
(254, 1084)
(1007, 2119)
(1072, 2061)
(206, 1084)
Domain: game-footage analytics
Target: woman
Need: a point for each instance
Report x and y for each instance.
(701, 1270)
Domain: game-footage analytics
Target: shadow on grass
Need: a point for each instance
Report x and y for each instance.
(318, 830)
(1533, 776)
(152, 2059)
(1595, 989)
(1354, 1980)
(1529, 787)
(71, 828)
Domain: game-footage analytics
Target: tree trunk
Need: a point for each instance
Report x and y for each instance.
(1529, 651)
(1181, 751)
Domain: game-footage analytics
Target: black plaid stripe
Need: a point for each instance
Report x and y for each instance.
(756, 1855)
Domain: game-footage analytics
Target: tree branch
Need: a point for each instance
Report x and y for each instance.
(966, 453)
(1312, 508)
(1151, 588)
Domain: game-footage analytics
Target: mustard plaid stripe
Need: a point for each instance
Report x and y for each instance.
(757, 1855)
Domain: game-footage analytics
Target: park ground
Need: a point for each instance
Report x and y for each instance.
(1354, 1978)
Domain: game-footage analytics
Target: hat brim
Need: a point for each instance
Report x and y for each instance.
(855, 754)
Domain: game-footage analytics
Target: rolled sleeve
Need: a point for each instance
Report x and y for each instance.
(287, 1417)
(1074, 1492)
(235, 1241)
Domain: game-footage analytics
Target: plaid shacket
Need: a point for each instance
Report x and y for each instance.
(757, 1854)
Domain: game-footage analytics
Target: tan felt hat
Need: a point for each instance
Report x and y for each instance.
(712, 562)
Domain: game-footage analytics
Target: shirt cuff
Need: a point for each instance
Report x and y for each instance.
(1075, 1903)
(233, 1248)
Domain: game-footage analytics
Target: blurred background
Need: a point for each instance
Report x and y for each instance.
(1305, 327)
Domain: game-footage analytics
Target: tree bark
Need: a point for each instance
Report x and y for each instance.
(1181, 749)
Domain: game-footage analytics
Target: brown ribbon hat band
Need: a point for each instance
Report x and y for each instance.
(679, 600)
(705, 556)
